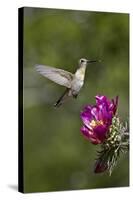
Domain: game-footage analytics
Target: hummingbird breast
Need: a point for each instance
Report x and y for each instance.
(76, 85)
(78, 80)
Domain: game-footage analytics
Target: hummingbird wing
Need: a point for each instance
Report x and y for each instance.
(56, 75)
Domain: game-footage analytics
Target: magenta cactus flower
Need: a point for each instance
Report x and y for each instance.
(102, 125)
(97, 119)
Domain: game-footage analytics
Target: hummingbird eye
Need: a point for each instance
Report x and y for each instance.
(81, 60)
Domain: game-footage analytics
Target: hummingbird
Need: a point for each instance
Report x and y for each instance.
(72, 82)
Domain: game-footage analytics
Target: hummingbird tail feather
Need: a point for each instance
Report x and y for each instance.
(61, 100)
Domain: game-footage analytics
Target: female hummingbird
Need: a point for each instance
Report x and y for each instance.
(72, 82)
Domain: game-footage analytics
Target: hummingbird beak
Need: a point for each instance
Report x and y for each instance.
(93, 61)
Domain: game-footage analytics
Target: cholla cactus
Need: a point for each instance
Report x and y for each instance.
(116, 143)
(101, 125)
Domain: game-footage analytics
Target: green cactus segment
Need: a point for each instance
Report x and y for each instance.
(116, 143)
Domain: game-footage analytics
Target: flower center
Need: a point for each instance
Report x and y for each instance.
(95, 123)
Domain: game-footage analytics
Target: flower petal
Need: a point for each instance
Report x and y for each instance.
(86, 116)
(101, 132)
(94, 112)
(115, 105)
(101, 99)
(89, 135)
(100, 166)
(104, 114)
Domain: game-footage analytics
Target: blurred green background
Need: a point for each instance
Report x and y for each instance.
(56, 156)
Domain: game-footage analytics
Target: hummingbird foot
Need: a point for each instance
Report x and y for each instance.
(75, 96)
(57, 104)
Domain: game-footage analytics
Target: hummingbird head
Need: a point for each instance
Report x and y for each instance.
(84, 61)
